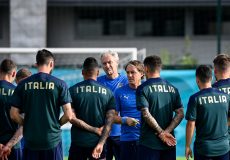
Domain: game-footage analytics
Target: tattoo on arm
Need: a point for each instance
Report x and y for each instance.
(83, 125)
(150, 120)
(176, 120)
(108, 124)
(16, 138)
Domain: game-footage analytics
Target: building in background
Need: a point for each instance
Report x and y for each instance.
(167, 27)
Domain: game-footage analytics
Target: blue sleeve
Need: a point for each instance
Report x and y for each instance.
(118, 102)
(141, 99)
(65, 96)
(191, 110)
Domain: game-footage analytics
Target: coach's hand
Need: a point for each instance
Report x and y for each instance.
(97, 151)
(132, 121)
(188, 152)
(167, 138)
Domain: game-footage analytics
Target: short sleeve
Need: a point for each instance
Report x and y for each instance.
(111, 103)
(65, 96)
(191, 110)
(16, 99)
(178, 103)
(141, 99)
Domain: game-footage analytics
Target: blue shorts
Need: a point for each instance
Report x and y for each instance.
(83, 153)
(16, 154)
(50, 154)
(197, 156)
(147, 153)
(128, 150)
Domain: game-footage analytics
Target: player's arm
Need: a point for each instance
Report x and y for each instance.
(150, 120)
(176, 120)
(83, 125)
(16, 116)
(14, 140)
(190, 127)
(68, 114)
(105, 133)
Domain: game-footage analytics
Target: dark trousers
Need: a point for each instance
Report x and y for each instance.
(147, 153)
(50, 154)
(197, 156)
(16, 154)
(83, 153)
(128, 150)
(113, 148)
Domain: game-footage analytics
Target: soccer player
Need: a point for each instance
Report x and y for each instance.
(10, 134)
(222, 74)
(129, 115)
(112, 80)
(94, 105)
(40, 98)
(22, 74)
(207, 112)
(158, 100)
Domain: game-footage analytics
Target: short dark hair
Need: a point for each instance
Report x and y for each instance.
(44, 56)
(204, 73)
(153, 62)
(7, 66)
(23, 73)
(139, 66)
(90, 64)
(222, 62)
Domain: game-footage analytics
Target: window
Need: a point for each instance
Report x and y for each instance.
(205, 21)
(91, 22)
(159, 22)
(1, 26)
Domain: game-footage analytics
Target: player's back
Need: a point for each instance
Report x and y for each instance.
(41, 97)
(91, 100)
(7, 126)
(209, 108)
(161, 98)
(223, 85)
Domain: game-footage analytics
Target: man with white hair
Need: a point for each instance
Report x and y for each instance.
(112, 80)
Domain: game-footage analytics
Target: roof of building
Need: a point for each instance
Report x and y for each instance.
(138, 2)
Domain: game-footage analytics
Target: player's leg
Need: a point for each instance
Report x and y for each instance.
(147, 153)
(55, 153)
(116, 146)
(109, 149)
(77, 152)
(169, 154)
(16, 154)
(30, 154)
(128, 150)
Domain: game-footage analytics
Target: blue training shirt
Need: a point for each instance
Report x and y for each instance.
(113, 84)
(126, 105)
